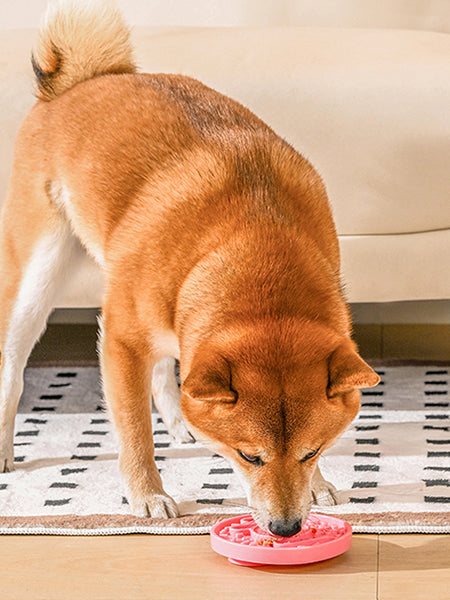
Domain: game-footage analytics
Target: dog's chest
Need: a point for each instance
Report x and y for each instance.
(165, 343)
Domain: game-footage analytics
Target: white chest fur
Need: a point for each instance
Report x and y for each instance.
(165, 343)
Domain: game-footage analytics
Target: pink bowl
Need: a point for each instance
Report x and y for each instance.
(243, 542)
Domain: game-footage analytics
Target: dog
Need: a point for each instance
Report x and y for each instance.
(218, 248)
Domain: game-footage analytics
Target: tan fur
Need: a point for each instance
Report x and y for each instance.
(218, 246)
(65, 55)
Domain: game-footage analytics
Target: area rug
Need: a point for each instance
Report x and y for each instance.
(392, 467)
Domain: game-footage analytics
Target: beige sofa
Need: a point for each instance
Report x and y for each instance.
(368, 107)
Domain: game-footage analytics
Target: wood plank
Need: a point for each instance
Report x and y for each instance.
(70, 343)
(368, 340)
(414, 566)
(416, 341)
(134, 567)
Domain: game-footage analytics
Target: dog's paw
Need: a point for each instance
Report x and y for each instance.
(6, 461)
(180, 433)
(158, 506)
(6, 465)
(324, 493)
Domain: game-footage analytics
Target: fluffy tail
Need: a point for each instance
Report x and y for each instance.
(80, 39)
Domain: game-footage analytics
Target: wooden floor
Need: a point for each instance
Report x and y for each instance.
(135, 567)
(76, 343)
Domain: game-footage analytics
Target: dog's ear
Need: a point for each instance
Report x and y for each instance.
(209, 379)
(347, 370)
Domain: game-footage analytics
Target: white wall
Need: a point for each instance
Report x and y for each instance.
(433, 15)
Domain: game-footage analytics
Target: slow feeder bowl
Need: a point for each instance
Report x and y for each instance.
(244, 543)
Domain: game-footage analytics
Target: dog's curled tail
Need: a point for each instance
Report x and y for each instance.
(80, 39)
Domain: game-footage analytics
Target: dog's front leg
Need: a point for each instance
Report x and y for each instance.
(126, 362)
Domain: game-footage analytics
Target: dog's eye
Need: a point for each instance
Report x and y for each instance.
(255, 460)
(309, 455)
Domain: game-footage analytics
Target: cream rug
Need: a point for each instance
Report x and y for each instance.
(392, 467)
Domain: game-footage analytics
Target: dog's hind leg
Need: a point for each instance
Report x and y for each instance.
(323, 492)
(36, 250)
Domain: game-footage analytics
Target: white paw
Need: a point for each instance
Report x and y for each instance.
(180, 433)
(324, 493)
(6, 461)
(159, 506)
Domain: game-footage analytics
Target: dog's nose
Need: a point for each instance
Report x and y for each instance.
(285, 528)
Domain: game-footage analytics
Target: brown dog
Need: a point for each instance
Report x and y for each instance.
(218, 247)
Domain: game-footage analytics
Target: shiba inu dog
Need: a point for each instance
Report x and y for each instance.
(218, 248)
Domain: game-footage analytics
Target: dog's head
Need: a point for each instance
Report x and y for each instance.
(271, 399)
